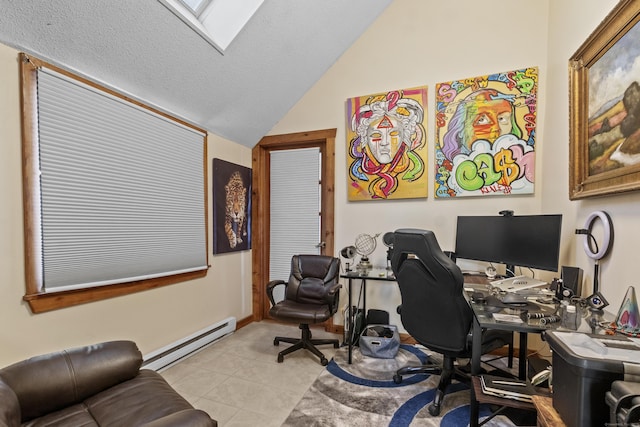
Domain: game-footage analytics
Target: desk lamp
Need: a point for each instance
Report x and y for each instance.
(596, 300)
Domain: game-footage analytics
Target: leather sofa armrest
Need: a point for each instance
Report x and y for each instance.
(9, 407)
(189, 417)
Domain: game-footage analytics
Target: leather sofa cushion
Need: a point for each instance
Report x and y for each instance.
(191, 418)
(75, 415)
(136, 402)
(146, 400)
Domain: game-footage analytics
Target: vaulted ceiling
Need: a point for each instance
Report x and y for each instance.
(141, 48)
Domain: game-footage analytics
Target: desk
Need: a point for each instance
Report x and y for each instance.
(483, 319)
(373, 274)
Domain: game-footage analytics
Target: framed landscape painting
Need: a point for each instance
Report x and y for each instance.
(604, 76)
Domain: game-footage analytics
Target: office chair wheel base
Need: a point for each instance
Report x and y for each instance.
(324, 361)
(280, 358)
(276, 341)
(336, 344)
(397, 379)
(434, 410)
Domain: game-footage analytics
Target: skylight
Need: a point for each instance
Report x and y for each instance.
(196, 6)
(217, 21)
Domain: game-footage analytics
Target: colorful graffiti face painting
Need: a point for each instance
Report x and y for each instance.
(387, 145)
(485, 135)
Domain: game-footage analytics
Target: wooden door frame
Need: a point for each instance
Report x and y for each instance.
(260, 202)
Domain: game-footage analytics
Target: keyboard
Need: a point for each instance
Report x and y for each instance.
(517, 283)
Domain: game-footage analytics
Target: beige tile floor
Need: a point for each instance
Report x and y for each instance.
(238, 381)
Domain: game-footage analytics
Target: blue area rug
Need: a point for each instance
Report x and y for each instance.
(364, 394)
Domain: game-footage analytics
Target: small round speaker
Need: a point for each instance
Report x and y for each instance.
(491, 272)
(567, 293)
(388, 239)
(348, 252)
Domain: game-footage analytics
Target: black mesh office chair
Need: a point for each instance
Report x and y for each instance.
(311, 296)
(434, 310)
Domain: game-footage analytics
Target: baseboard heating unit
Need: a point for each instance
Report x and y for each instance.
(177, 350)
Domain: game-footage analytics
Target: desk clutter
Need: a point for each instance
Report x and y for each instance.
(593, 352)
(533, 306)
(554, 308)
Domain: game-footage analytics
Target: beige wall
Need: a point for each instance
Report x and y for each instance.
(413, 43)
(152, 318)
(618, 269)
(422, 43)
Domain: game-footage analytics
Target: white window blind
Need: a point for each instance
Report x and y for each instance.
(121, 188)
(295, 207)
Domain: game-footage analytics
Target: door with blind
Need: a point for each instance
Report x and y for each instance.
(293, 181)
(294, 209)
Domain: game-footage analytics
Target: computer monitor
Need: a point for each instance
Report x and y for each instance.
(531, 241)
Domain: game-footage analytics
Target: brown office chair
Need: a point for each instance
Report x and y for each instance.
(311, 296)
(434, 310)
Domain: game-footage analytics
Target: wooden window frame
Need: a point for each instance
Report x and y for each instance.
(38, 300)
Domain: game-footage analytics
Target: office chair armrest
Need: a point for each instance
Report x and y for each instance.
(334, 288)
(271, 285)
(332, 296)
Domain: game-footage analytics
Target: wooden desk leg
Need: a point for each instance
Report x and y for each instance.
(547, 416)
(476, 353)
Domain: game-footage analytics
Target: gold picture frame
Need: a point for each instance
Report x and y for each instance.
(604, 156)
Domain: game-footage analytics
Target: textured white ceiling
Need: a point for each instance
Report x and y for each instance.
(142, 49)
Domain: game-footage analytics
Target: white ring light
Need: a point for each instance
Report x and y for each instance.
(608, 232)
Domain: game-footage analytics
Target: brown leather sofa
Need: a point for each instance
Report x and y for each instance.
(96, 385)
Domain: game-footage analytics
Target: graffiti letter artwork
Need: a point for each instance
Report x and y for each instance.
(485, 135)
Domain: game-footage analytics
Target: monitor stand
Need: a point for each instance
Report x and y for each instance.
(510, 271)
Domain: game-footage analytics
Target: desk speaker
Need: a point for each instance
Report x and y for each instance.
(450, 254)
(571, 281)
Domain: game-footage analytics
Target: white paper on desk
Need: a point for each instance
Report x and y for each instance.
(511, 318)
(517, 283)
